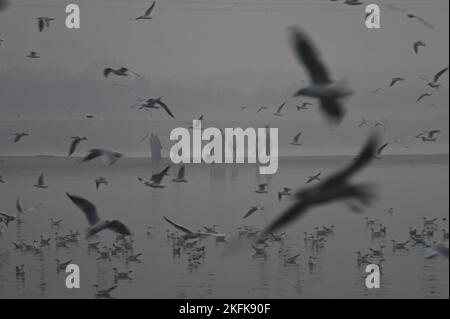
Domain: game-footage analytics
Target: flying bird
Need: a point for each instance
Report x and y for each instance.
(75, 141)
(100, 181)
(44, 22)
(314, 178)
(33, 55)
(285, 192)
(190, 234)
(380, 150)
(253, 209)
(118, 72)
(295, 140)
(40, 182)
(434, 84)
(261, 108)
(422, 96)
(155, 179)
(328, 92)
(148, 12)
(304, 106)
(395, 80)
(430, 136)
(417, 45)
(106, 156)
(411, 16)
(278, 112)
(2, 181)
(262, 189)
(19, 136)
(96, 225)
(336, 187)
(155, 103)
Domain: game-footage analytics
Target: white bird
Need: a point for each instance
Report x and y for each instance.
(148, 12)
(190, 234)
(434, 84)
(106, 156)
(19, 211)
(253, 209)
(75, 141)
(323, 87)
(417, 45)
(156, 179)
(95, 223)
(278, 112)
(44, 22)
(19, 136)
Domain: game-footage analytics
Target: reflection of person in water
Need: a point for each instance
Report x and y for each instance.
(156, 148)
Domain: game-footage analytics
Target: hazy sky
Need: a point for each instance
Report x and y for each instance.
(212, 57)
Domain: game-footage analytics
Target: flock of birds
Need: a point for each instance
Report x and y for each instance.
(317, 190)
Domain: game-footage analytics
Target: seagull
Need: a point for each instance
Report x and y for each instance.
(278, 112)
(41, 183)
(190, 234)
(100, 181)
(122, 275)
(377, 90)
(20, 210)
(323, 87)
(363, 122)
(118, 72)
(353, 2)
(434, 84)
(75, 141)
(44, 22)
(431, 136)
(261, 108)
(395, 80)
(290, 260)
(262, 188)
(156, 179)
(379, 124)
(2, 181)
(336, 187)
(19, 136)
(380, 150)
(253, 209)
(55, 222)
(314, 178)
(180, 176)
(146, 15)
(411, 16)
(295, 140)
(285, 192)
(303, 106)
(103, 293)
(418, 44)
(155, 103)
(106, 156)
(95, 223)
(33, 55)
(89, 116)
(422, 96)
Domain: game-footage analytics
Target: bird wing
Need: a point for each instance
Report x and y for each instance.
(94, 153)
(178, 226)
(381, 148)
(118, 227)
(89, 209)
(416, 47)
(293, 212)
(422, 96)
(296, 137)
(149, 10)
(41, 180)
(308, 55)
(424, 22)
(281, 107)
(439, 74)
(73, 146)
(106, 72)
(365, 156)
(157, 178)
(251, 211)
(166, 108)
(333, 109)
(41, 24)
(432, 133)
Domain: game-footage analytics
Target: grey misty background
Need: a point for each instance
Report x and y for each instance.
(207, 59)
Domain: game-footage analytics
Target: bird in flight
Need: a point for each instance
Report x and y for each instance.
(422, 96)
(96, 225)
(314, 178)
(118, 72)
(44, 22)
(147, 14)
(434, 84)
(252, 210)
(336, 187)
(417, 45)
(180, 176)
(411, 15)
(33, 55)
(106, 156)
(285, 192)
(395, 80)
(380, 150)
(304, 106)
(19, 136)
(156, 103)
(278, 112)
(429, 136)
(100, 181)
(75, 141)
(295, 140)
(156, 179)
(262, 189)
(323, 87)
